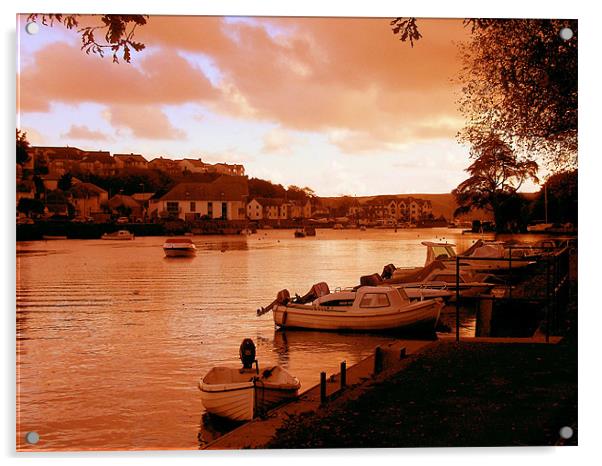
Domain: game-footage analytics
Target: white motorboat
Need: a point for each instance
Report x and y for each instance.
(179, 247)
(366, 308)
(240, 394)
(437, 275)
(119, 235)
(480, 257)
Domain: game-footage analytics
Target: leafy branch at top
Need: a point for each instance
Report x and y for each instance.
(118, 33)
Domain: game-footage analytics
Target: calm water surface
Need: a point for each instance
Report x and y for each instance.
(112, 338)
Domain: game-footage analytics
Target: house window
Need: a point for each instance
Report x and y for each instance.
(210, 209)
(173, 208)
(192, 206)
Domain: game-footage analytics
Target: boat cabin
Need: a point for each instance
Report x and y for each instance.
(365, 297)
(439, 251)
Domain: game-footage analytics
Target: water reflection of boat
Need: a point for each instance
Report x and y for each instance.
(53, 237)
(119, 235)
(179, 247)
(240, 394)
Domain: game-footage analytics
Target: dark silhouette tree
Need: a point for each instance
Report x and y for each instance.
(562, 193)
(496, 174)
(30, 206)
(22, 148)
(65, 182)
(264, 188)
(118, 32)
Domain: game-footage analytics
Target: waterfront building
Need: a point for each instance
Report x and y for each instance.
(87, 199)
(223, 198)
(265, 208)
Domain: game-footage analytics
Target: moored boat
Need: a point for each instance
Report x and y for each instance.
(240, 394)
(300, 233)
(179, 247)
(365, 308)
(119, 235)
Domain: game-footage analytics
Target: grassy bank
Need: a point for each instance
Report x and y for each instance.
(471, 394)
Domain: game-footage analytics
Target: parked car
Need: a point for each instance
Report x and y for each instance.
(24, 221)
(122, 220)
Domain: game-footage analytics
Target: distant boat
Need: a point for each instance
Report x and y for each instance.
(119, 235)
(310, 231)
(240, 394)
(300, 233)
(337, 226)
(179, 247)
(53, 237)
(363, 228)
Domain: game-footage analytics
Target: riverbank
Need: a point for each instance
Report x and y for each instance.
(466, 394)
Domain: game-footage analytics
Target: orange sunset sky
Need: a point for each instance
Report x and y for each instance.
(337, 104)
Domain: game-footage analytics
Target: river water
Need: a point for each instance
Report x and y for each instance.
(112, 337)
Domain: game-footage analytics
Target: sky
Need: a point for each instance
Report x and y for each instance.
(336, 104)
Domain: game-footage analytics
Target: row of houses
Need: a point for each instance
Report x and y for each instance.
(61, 160)
(391, 209)
(226, 197)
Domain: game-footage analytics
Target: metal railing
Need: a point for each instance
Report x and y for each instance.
(546, 281)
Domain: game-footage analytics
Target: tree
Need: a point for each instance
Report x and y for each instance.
(118, 32)
(496, 174)
(562, 190)
(264, 188)
(65, 182)
(30, 206)
(296, 193)
(22, 148)
(519, 79)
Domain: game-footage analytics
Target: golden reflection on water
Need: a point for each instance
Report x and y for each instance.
(112, 338)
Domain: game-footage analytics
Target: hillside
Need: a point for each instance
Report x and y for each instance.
(443, 204)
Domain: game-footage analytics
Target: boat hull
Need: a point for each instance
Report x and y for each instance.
(235, 403)
(183, 252)
(422, 314)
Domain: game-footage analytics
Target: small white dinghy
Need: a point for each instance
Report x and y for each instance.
(240, 394)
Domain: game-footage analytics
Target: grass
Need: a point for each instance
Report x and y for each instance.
(467, 394)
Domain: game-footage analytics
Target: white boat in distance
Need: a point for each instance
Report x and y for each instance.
(368, 308)
(179, 247)
(240, 394)
(119, 235)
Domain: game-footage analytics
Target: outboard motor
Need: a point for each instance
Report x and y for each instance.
(247, 353)
(388, 271)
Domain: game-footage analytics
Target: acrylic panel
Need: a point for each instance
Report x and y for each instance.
(318, 232)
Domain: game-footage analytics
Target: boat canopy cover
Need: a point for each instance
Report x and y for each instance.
(178, 240)
(489, 250)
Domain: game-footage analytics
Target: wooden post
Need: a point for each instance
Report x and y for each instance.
(378, 360)
(322, 387)
(402, 352)
(343, 374)
(457, 300)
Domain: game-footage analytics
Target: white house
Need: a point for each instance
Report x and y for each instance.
(223, 198)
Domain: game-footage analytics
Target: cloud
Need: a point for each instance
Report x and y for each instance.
(83, 132)
(144, 121)
(329, 74)
(278, 141)
(348, 78)
(63, 73)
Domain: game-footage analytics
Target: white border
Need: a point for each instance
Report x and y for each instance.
(589, 161)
